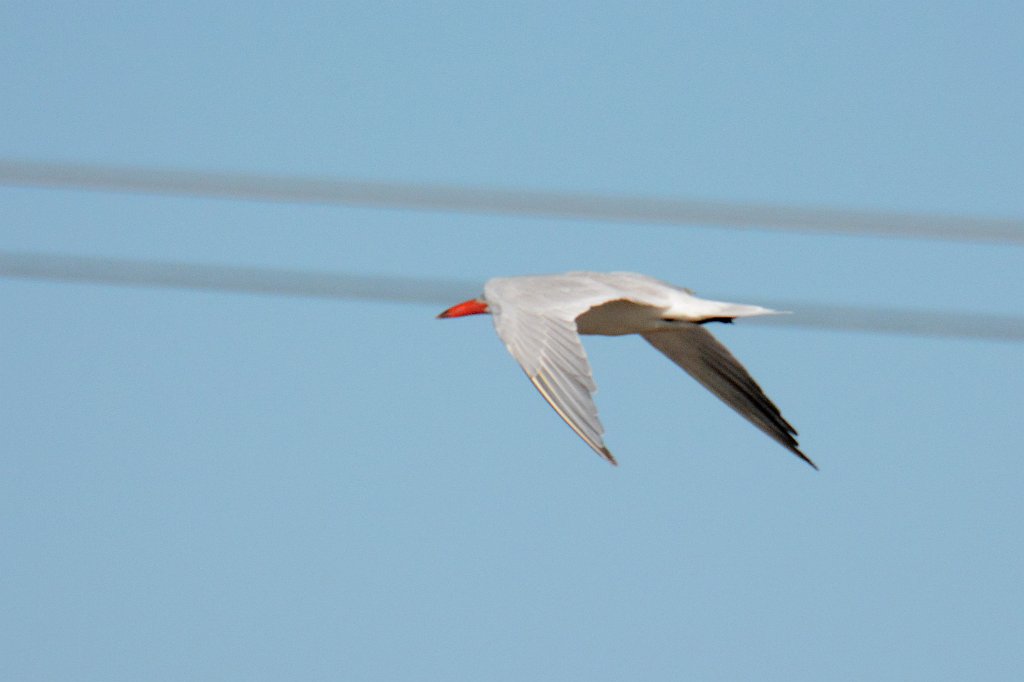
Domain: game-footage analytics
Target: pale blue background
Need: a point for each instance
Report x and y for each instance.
(228, 487)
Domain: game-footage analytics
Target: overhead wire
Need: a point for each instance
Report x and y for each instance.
(442, 292)
(452, 198)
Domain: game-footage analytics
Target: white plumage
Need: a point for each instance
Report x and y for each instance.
(540, 318)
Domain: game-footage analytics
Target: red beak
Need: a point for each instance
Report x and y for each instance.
(474, 306)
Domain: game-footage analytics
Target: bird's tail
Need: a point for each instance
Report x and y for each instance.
(720, 310)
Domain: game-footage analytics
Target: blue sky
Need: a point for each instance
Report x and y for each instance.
(219, 486)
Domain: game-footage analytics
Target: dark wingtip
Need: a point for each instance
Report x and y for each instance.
(805, 458)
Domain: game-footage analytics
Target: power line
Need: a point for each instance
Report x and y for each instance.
(430, 197)
(192, 276)
(234, 279)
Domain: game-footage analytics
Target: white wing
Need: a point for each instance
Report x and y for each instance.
(541, 335)
(549, 351)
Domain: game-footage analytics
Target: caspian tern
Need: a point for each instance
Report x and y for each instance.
(540, 318)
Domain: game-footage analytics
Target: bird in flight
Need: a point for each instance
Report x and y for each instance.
(540, 319)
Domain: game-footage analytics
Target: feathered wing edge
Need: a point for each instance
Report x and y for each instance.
(703, 357)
